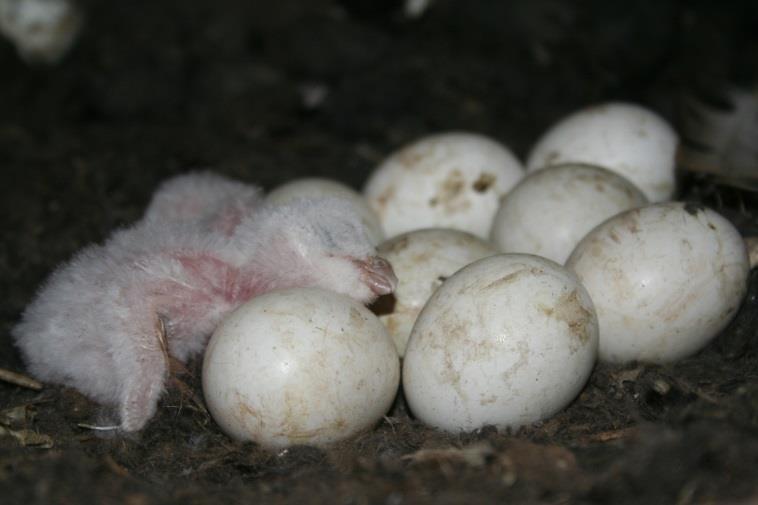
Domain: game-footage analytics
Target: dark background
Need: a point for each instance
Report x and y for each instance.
(154, 88)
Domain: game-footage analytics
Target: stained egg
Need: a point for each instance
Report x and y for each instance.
(628, 139)
(299, 366)
(449, 180)
(507, 340)
(551, 210)
(422, 260)
(665, 279)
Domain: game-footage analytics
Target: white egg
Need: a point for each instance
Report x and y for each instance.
(316, 186)
(299, 366)
(43, 31)
(628, 139)
(506, 341)
(451, 180)
(422, 259)
(665, 279)
(551, 210)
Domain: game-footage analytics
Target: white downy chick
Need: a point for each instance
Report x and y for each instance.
(106, 322)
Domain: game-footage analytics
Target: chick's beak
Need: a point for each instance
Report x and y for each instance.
(378, 275)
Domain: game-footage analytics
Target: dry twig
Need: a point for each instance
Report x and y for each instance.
(474, 455)
(20, 380)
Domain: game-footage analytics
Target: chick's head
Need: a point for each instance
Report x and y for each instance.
(319, 242)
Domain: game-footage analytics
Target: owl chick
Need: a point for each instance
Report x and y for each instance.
(106, 322)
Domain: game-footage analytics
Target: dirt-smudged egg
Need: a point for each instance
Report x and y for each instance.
(299, 366)
(449, 180)
(626, 138)
(665, 279)
(422, 260)
(507, 340)
(551, 210)
(310, 187)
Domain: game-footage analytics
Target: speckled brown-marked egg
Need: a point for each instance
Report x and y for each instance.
(299, 366)
(449, 180)
(628, 139)
(665, 279)
(507, 340)
(310, 187)
(551, 210)
(422, 260)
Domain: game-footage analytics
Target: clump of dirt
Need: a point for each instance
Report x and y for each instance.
(153, 89)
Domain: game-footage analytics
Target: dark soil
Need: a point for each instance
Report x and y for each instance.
(156, 88)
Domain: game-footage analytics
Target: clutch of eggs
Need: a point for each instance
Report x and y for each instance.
(506, 339)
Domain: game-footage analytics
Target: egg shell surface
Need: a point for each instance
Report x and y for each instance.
(299, 366)
(310, 187)
(628, 139)
(422, 260)
(507, 340)
(449, 180)
(551, 210)
(665, 279)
